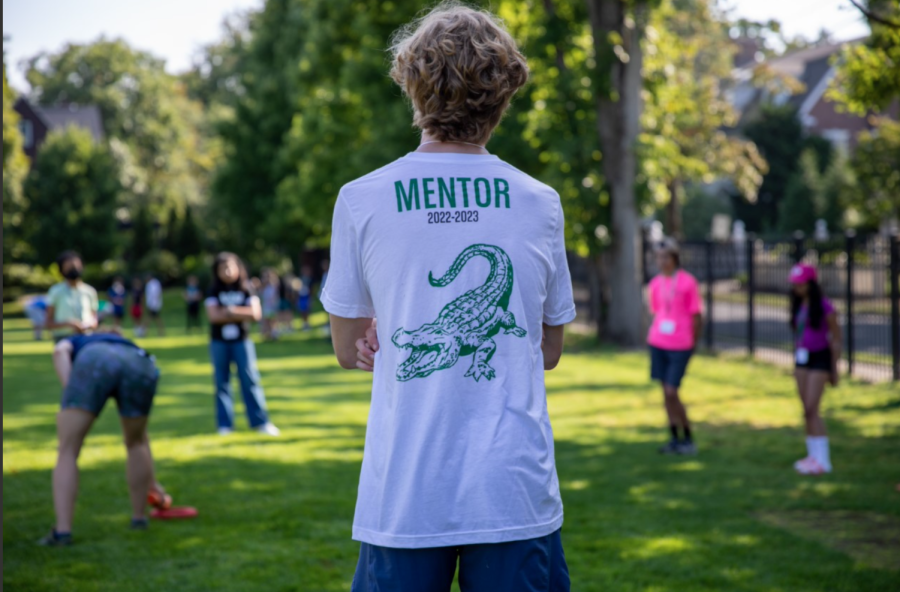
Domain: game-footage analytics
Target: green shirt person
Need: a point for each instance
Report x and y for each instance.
(72, 305)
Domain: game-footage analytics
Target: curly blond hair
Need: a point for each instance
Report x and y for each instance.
(460, 68)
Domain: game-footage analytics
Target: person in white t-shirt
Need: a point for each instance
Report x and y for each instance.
(153, 295)
(461, 258)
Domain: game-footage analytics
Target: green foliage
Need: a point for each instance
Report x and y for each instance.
(812, 194)
(876, 163)
(868, 76)
(72, 190)
(781, 140)
(700, 207)
(142, 106)
(161, 263)
(142, 234)
(15, 167)
(189, 236)
(687, 65)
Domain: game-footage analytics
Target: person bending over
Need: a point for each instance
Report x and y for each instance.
(462, 258)
(93, 369)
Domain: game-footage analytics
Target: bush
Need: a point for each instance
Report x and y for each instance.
(20, 279)
(163, 264)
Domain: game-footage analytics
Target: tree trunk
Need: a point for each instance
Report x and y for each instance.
(674, 227)
(619, 108)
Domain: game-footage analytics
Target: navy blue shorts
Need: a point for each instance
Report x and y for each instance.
(104, 371)
(534, 565)
(668, 366)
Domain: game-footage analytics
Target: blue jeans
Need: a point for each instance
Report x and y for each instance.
(534, 565)
(243, 354)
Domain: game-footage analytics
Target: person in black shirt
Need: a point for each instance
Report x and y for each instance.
(92, 369)
(230, 305)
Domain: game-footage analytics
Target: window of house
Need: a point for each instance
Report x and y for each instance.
(27, 130)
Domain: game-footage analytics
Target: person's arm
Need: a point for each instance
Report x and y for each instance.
(837, 340)
(62, 361)
(252, 311)
(552, 345)
(51, 322)
(346, 334)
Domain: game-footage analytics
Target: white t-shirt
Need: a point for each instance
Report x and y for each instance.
(461, 258)
(153, 293)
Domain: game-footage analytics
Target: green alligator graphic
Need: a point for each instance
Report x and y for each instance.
(466, 325)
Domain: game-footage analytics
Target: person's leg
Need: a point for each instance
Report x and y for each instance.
(404, 570)
(139, 468)
(817, 437)
(244, 353)
(72, 425)
(221, 359)
(534, 565)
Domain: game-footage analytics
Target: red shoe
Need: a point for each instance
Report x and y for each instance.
(159, 499)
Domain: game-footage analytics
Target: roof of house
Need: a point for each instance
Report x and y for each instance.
(60, 116)
(83, 116)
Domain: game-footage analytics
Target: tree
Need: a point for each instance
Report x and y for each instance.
(798, 211)
(73, 190)
(684, 136)
(868, 74)
(618, 29)
(876, 164)
(142, 231)
(15, 167)
(780, 138)
(189, 238)
(142, 107)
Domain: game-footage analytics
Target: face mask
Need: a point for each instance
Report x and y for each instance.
(73, 273)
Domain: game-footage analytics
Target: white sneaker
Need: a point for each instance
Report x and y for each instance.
(268, 429)
(225, 431)
(812, 467)
(802, 462)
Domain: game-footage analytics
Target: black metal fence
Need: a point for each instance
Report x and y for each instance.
(745, 288)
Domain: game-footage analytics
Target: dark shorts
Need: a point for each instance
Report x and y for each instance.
(534, 565)
(303, 304)
(119, 312)
(668, 366)
(193, 309)
(154, 313)
(818, 360)
(112, 371)
(284, 305)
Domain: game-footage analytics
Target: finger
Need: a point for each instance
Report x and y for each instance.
(372, 338)
(364, 367)
(363, 347)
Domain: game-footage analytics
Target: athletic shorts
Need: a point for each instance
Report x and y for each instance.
(303, 304)
(119, 312)
(112, 371)
(534, 565)
(284, 305)
(193, 309)
(137, 311)
(154, 312)
(668, 365)
(818, 360)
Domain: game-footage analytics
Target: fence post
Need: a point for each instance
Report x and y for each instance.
(709, 294)
(895, 304)
(850, 248)
(751, 293)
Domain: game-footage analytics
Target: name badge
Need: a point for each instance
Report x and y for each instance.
(230, 332)
(802, 355)
(667, 327)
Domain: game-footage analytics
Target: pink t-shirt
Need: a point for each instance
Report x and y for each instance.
(673, 302)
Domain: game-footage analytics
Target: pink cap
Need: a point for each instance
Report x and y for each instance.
(802, 273)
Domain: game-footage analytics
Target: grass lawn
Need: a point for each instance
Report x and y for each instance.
(275, 514)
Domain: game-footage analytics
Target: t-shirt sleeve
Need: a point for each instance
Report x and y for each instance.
(559, 307)
(346, 294)
(53, 296)
(212, 298)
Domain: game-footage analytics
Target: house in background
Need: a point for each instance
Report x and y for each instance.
(801, 79)
(35, 122)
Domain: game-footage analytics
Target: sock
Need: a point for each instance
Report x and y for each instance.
(674, 430)
(810, 447)
(821, 451)
(687, 434)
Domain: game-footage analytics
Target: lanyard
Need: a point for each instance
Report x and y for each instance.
(802, 317)
(673, 285)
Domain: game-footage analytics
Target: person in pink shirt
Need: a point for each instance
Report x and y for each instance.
(674, 299)
(817, 343)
